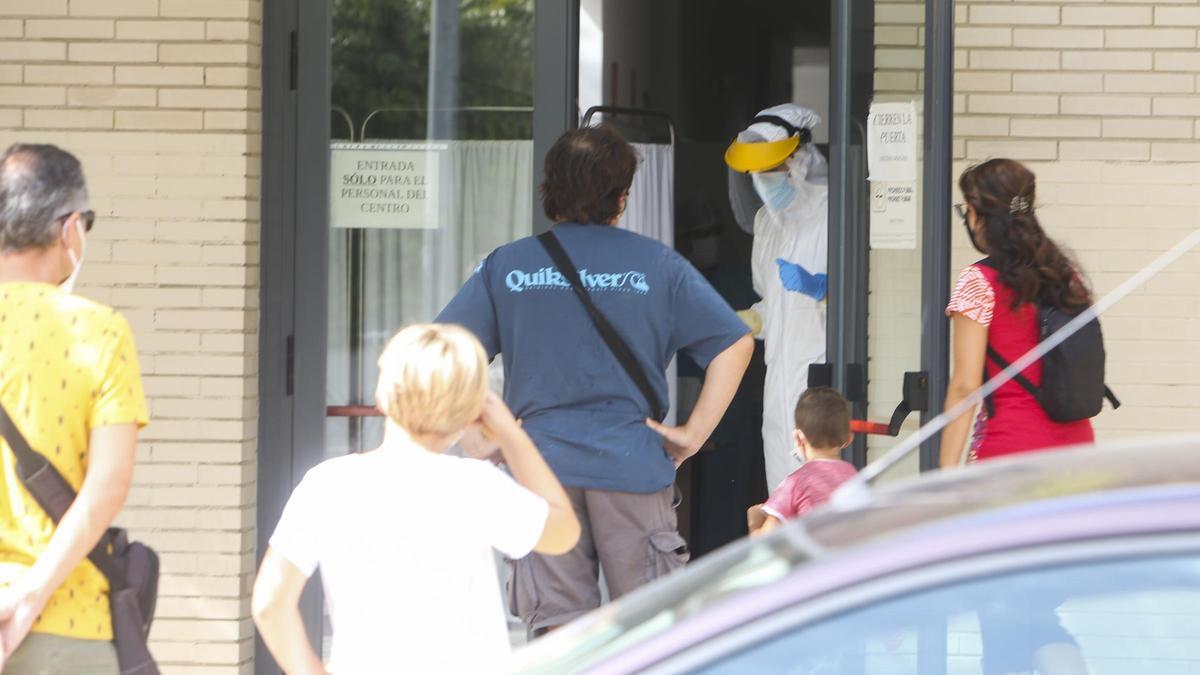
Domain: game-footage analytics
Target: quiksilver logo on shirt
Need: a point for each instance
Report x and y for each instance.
(548, 277)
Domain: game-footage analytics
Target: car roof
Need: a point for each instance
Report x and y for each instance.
(1153, 515)
(861, 513)
(1001, 496)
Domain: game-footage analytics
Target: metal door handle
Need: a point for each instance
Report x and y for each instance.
(915, 397)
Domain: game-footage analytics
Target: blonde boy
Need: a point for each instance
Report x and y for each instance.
(822, 431)
(403, 534)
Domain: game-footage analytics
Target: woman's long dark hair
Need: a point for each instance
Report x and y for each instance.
(1002, 191)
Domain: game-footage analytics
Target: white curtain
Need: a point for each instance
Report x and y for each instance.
(650, 212)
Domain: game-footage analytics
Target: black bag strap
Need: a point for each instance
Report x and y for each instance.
(1019, 377)
(1024, 382)
(613, 339)
(30, 463)
(1112, 398)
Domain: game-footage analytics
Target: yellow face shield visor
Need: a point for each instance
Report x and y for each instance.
(756, 157)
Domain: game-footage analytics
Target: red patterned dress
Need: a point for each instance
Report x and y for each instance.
(1019, 423)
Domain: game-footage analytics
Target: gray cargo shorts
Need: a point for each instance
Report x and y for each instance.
(632, 536)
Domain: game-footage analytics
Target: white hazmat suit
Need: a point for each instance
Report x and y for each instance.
(789, 264)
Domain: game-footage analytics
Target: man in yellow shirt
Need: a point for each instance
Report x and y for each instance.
(69, 379)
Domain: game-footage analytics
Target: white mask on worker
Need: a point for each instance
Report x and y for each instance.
(68, 286)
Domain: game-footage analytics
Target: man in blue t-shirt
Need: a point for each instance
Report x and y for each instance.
(590, 420)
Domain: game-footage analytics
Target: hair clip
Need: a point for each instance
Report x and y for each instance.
(1019, 205)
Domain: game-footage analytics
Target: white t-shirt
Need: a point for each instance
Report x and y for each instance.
(404, 539)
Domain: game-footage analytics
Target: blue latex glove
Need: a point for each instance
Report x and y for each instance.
(798, 280)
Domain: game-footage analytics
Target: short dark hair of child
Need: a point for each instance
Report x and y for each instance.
(823, 416)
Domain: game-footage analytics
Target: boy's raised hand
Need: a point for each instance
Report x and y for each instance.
(476, 444)
(497, 420)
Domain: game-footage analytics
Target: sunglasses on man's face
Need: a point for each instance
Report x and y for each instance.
(88, 218)
(961, 210)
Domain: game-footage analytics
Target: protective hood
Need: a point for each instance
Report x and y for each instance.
(805, 163)
(772, 137)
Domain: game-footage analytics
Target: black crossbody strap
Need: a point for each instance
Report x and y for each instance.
(613, 339)
(30, 463)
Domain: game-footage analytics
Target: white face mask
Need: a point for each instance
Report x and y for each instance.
(68, 286)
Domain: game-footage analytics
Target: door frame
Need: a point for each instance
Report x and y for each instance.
(935, 216)
(852, 64)
(293, 240)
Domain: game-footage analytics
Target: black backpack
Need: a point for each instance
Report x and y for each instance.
(1073, 386)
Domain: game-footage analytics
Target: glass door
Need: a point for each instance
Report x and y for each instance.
(894, 178)
(400, 146)
(889, 237)
(431, 168)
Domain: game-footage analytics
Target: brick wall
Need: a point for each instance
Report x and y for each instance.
(161, 101)
(1101, 101)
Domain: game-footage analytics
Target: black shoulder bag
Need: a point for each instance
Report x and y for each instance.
(130, 567)
(613, 339)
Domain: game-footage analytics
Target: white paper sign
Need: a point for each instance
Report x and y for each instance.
(384, 185)
(894, 215)
(892, 142)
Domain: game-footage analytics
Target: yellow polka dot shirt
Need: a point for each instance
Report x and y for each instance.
(67, 365)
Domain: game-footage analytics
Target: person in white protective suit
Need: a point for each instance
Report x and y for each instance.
(788, 264)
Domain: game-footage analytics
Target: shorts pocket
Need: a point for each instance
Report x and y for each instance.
(522, 594)
(668, 552)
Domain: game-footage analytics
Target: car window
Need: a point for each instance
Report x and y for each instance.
(1132, 617)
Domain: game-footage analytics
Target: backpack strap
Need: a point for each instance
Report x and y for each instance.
(1019, 378)
(615, 343)
(1112, 398)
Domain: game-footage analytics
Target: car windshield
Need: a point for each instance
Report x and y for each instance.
(653, 609)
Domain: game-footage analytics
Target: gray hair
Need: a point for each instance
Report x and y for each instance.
(39, 184)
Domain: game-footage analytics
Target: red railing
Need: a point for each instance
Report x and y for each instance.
(352, 411)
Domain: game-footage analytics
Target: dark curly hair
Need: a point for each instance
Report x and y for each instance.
(588, 171)
(1002, 192)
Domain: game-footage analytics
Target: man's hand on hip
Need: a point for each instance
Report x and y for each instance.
(679, 442)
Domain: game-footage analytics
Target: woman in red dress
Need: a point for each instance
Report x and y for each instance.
(994, 305)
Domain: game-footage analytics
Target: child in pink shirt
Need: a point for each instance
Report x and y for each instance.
(822, 432)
